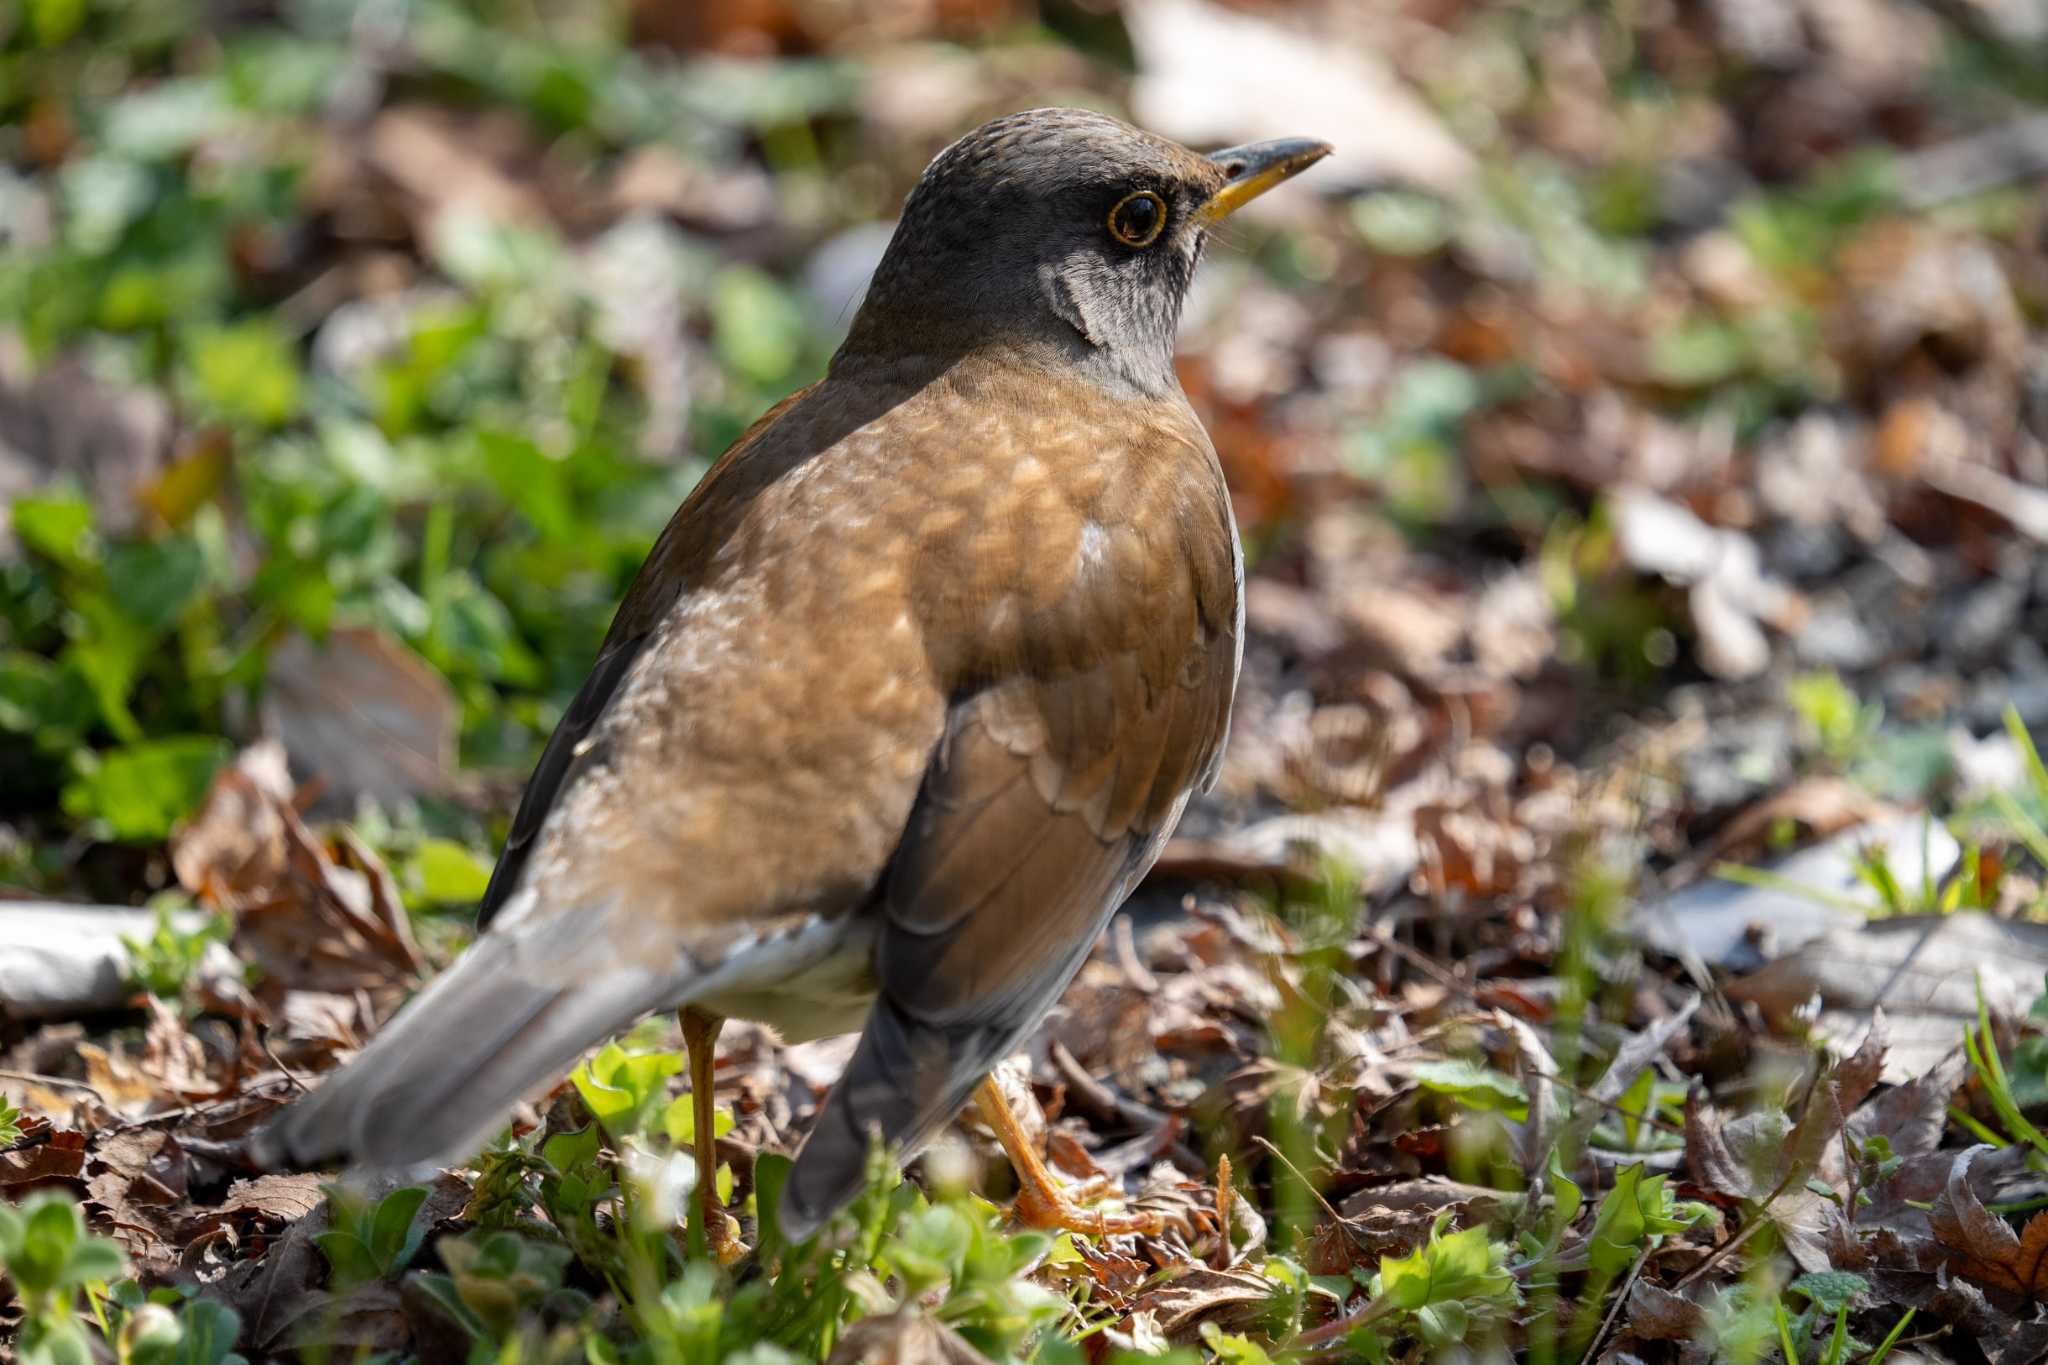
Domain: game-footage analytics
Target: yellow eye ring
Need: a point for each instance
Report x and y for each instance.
(1138, 219)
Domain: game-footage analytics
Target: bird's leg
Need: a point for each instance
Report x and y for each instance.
(700, 1042)
(1041, 1201)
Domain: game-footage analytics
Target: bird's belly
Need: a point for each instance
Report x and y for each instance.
(813, 984)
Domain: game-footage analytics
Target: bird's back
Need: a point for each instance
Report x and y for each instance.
(814, 611)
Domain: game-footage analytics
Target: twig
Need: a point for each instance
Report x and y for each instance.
(1621, 1298)
(1134, 969)
(1101, 1099)
(1306, 1184)
(1749, 1226)
(1344, 1326)
(1676, 1129)
(277, 1062)
(38, 1078)
(1223, 1193)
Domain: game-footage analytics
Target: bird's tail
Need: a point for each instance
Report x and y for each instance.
(441, 1077)
(906, 1079)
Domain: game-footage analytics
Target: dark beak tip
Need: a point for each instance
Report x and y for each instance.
(1294, 154)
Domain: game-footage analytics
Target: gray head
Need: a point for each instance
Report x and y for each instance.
(1065, 234)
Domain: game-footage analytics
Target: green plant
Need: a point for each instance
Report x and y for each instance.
(623, 1089)
(1829, 1296)
(151, 1332)
(371, 1241)
(1980, 1045)
(1837, 722)
(1443, 1291)
(47, 1252)
(1635, 1215)
(166, 964)
(495, 1278)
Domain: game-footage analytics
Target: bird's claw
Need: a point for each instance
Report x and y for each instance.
(722, 1236)
(1052, 1209)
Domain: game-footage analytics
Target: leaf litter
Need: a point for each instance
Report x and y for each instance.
(1666, 514)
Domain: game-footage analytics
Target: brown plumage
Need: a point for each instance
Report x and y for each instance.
(906, 697)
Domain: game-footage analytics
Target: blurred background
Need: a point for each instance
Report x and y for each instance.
(1639, 432)
(1650, 391)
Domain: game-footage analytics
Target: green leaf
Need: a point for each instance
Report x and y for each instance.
(446, 873)
(574, 1150)
(58, 527)
(679, 1120)
(1831, 1289)
(248, 371)
(45, 1247)
(41, 698)
(140, 792)
(154, 583)
(1474, 1086)
(756, 326)
(348, 1257)
(1233, 1349)
(441, 1289)
(771, 1173)
(1632, 1213)
(1464, 1267)
(210, 1331)
(393, 1238)
(621, 1089)
(1565, 1193)
(50, 22)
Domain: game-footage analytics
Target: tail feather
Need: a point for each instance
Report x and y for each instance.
(906, 1079)
(441, 1077)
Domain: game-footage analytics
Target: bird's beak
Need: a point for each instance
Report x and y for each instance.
(1257, 167)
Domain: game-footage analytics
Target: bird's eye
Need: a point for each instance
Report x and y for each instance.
(1137, 219)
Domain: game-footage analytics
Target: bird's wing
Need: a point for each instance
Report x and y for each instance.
(653, 592)
(1049, 796)
(537, 990)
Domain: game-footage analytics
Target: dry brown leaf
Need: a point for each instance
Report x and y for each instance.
(1768, 1154)
(1925, 970)
(1728, 923)
(310, 916)
(364, 715)
(1228, 1298)
(68, 422)
(60, 1156)
(1981, 1246)
(905, 1337)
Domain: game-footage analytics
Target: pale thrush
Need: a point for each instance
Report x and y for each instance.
(903, 703)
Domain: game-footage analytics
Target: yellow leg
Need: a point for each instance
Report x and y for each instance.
(1041, 1201)
(700, 1042)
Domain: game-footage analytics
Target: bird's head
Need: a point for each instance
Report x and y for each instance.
(1065, 233)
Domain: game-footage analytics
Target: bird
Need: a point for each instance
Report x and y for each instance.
(904, 701)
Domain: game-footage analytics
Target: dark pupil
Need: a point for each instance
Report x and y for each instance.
(1138, 216)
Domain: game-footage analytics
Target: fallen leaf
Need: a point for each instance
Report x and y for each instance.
(67, 422)
(310, 916)
(905, 1337)
(1731, 596)
(1228, 1298)
(365, 715)
(59, 1157)
(1924, 970)
(1983, 1247)
(1733, 924)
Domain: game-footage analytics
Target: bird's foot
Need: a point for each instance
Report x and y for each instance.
(722, 1235)
(1049, 1207)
